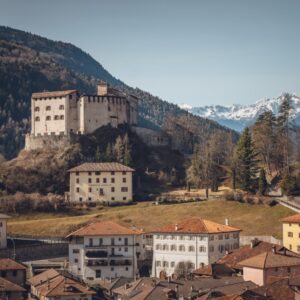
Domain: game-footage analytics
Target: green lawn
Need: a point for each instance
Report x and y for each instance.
(252, 219)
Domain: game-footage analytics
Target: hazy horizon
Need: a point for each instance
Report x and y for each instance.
(196, 52)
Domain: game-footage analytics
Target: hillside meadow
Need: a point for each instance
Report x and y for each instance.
(252, 219)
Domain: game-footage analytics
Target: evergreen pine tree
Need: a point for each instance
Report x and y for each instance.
(109, 153)
(97, 154)
(262, 182)
(119, 149)
(247, 163)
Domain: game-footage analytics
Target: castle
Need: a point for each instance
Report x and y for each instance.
(57, 117)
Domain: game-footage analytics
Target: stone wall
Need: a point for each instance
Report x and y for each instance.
(152, 137)
(246, 239)
(48, 141)
(36, 252)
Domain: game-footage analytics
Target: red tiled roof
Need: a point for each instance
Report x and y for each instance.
(8, 286)
(235, 256)
(52, 94)
(291, 219)
(9, 264)
(196, 225)
(102, 228)
(270, 260)
(43, 277)
(102, 167)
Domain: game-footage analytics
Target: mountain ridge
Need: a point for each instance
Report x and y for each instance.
(238, 116)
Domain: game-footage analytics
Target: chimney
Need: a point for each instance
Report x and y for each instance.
(274, 249)
(226, 221)
(102, 88)
(176, 227)
(253, 243)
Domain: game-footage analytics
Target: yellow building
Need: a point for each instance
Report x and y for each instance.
(101, 182)
(291, 232)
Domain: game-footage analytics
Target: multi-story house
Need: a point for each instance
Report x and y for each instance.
(104, 250)
(291, 232)
(101, 182)
(13, 271)
(190, 244)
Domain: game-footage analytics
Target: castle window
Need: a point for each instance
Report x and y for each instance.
(48, 118)
(101, 192)
(97, 173)
(97, 180)
(90, 189)
(62, 117)
(124, 198)
(112, 173)
(77, 190)
(108, 108)
(56, 117)
(112, 198)
(191, 248)
(124, 180)
(124, 189)
(48, 107)
(90, 180)
(181, 248)
(37, 109)
(104, 180)
(112, 180)
(112, 189)
(37, 119)
(61, 107)
(77, 180)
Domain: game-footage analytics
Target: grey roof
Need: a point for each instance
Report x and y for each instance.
(102, 167)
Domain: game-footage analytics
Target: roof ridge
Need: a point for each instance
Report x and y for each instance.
(49, 291)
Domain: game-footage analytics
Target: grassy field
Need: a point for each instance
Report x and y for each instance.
(252, 219)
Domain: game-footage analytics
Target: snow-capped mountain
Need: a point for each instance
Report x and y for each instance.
(238, 116)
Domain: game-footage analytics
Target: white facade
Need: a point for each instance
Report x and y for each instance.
(91, 182)
(96, 257)
(65, 112)
(192, 250)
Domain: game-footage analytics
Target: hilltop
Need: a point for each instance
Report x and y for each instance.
(31, 63)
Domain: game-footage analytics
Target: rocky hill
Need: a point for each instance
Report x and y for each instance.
(238, 117)
(31, 63)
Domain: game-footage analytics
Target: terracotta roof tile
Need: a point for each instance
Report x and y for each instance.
(235, 256)
(8, 286)
(9, 264)
(43, 277)
(52, 94)
(214, 269)
(102, 167)
(196, 225)
(103, 228)
(270, 260)
(291, 219)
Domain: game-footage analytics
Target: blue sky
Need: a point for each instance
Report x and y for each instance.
(196, 52)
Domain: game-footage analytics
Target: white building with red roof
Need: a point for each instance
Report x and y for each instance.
(190, 244)
(104, 250)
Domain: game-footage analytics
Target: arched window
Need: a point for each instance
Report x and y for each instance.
(181, 248)
(191, 248)
(37, 119)
(173, 248)
(37, 108)
(157, 246)
(62, 107)
(56, 117)
(48, 107)
(202, 249)
(48, 118)
(62, 117)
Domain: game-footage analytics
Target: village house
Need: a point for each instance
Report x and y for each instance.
(67, 112)
(190, 244)
(101, 182)
(105, 250)
(268, 266)
(13, 271)
(11, 291)
(291, 232)
(3, 230)
(52, 285)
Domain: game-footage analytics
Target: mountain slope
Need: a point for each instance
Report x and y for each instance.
(30, 63)
(238, 117)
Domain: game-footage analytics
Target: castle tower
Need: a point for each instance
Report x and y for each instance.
(102, 88)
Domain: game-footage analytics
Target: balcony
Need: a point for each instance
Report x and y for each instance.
(125, 262)
(96, 254)
(97, 263)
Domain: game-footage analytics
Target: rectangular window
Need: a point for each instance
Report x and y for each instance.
(90, 173)
(211, 237)
(290, 234)
(126, 241)
(75, 251)
(100, 241)
(126, 249)
(112, 198)
(112, 189)
(124, 198)
(15, 273)
(97, 180)
(104, 180)
(77, 173)
(90, 189)
(124, 180)
(90, 180)
(77, 180)
(124, 189)
(112, 173)
(112, 180)
(101, 192)
(124, 173)
(98, 273)
(76, 260)
(90, 242)
(97, 173)
(77, 190)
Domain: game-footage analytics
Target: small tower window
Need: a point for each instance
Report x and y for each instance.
(62, 117)
(37, 108)
(48, 107)
(37, 119)
(61, 107)
(48, 118)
